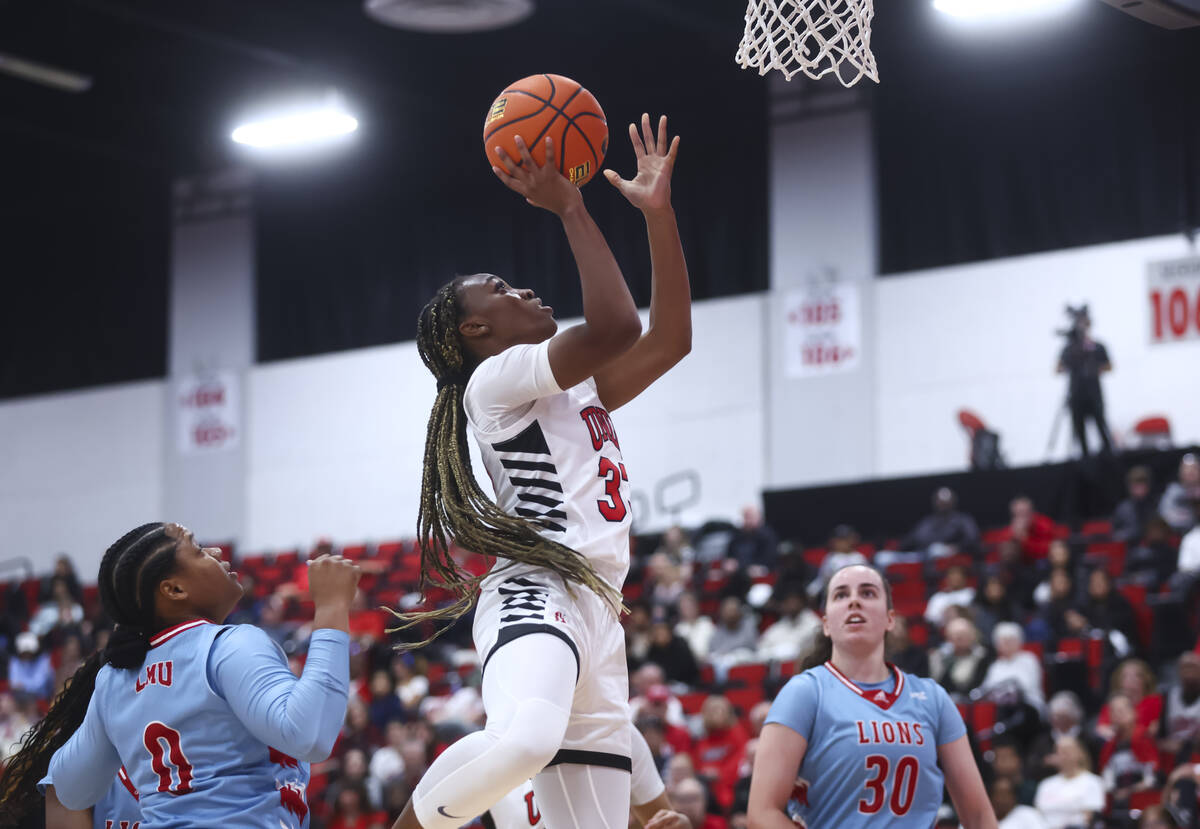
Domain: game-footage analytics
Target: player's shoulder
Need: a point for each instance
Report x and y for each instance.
(921, 687)
(240, 636)
(518, 358)
(804, 684)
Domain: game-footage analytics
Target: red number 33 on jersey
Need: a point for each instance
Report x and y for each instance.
(612, 508)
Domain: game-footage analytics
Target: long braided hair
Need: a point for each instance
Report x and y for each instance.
(130, 573)
(454, 509)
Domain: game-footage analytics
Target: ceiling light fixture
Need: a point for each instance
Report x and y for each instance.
(297, 127)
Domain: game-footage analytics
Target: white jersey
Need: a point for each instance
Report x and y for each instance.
(553, 456)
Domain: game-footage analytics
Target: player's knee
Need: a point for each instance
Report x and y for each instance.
(535, 735)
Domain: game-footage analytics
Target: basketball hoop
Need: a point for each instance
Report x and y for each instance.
(816, 37)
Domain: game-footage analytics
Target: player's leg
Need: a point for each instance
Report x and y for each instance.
(587, 785)
(572, 796)
(528, 688)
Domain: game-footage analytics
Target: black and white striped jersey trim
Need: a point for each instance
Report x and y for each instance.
(534, 477)
(523, 600)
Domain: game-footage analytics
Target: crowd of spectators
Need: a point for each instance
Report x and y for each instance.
(1071, 652)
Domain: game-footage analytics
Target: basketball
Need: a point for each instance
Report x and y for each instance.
(552, 105)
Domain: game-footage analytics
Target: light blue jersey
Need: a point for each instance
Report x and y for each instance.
(214, 729)
(872, 748)
(118, 809)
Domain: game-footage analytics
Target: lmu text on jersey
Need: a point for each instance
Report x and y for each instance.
(157, 674)
(599, 426)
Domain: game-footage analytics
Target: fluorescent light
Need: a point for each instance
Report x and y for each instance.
(44, 74)
(993, 9)
(296, 128)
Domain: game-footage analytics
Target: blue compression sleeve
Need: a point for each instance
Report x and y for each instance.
(300, 717)
(84, 767)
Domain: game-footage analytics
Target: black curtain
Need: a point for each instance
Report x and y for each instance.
(350, 250)
(85, 262)
(1070, 132)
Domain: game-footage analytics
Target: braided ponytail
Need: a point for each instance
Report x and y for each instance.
(129, 574)
(454, 509)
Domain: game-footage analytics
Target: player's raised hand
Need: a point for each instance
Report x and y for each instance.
(332, 581)
(650, 189)
(666, 819)
(541, 185)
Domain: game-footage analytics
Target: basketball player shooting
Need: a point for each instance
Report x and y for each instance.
(537, 400)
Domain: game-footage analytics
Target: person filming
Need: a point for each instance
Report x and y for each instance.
(1084, 360)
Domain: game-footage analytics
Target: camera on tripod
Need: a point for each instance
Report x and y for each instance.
(1080, 319)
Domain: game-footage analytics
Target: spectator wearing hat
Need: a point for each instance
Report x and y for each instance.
(655, 704)
(641, 682)
(29, 670)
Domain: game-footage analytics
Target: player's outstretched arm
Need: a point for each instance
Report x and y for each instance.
(59, 816)
(776, 763)
(966, 786)
(84, 766)
(610, 319)
(669, 336)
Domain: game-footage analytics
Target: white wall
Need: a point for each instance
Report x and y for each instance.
(982, 336)
(336, 442)
(77, 470)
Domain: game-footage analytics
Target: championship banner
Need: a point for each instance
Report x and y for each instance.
(207, 408)
(823, 329)
(1173, 290)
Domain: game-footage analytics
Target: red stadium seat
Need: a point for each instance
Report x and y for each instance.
(391, 550)
(744, 699)
(1143, 615)
(355, 551)
(813, 556)
(1100, 528)
(905, 571)
(1153, 431)
(693, 702)
(750, 674)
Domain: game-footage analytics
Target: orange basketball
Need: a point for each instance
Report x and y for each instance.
(552, 105)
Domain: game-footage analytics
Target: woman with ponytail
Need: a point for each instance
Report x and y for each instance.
(852, 741)
(537, 402)
(206, 719)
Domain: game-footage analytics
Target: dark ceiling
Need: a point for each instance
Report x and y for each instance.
(1003, 139)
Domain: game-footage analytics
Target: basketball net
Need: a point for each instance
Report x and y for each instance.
(815, 37)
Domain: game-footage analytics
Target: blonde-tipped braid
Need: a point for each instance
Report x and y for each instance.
(454, 509)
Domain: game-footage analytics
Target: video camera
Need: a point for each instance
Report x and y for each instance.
(1079, 318)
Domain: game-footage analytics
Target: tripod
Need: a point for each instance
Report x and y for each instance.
(1058, 419)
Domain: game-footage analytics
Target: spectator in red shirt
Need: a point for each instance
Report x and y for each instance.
(718, 754)
(1032, 530)
(1128, 759)
(656, 704)
(1133, 679)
